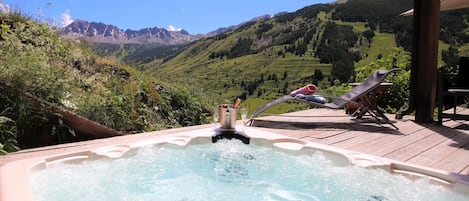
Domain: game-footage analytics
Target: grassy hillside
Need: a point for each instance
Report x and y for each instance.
(335, 41)
(136, 54)
(58, 73)
(268, 54)
(381, 46)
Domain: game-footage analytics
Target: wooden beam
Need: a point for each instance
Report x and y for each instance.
(425, 57)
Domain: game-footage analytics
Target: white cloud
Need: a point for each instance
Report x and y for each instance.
(4, 8)
(173, 28)
(66, 18)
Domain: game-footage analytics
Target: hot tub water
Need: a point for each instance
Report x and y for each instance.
(226, 170)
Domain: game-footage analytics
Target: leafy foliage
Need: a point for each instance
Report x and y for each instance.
(381, 14)
(39, 71)
(398, 94)
(451, 25)
(335, 48)
(242, 47)
(8, 135)
(32, 58)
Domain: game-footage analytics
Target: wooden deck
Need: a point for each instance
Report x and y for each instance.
(444, 147)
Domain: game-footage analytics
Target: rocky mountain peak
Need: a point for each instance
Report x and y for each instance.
(104, 33)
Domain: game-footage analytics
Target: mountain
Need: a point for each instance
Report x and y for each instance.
(143, 46)
(230, 28)
(98, 32)
(324, 44)
(104, 33)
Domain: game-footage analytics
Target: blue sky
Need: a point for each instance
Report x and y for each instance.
(194, 16)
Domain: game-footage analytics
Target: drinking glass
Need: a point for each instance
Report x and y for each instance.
(215, 115)
(244, 114)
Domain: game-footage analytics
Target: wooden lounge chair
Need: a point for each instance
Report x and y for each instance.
(360, 93)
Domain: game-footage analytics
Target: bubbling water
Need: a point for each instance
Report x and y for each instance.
(226, 170)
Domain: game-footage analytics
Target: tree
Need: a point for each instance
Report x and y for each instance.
(280, 53)
(275, 78)
(450, 57)
(242, 47)
(343, 70)
(369, 34)
(285, 88)
(318, 74)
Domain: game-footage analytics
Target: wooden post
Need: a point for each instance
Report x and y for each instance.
(425, 57)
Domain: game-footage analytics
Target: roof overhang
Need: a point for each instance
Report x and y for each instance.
(444, 5)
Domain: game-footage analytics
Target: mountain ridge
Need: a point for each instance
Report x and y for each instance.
(106, 33)
(99, 32)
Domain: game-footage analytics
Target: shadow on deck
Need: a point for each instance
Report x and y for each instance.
(444, 147)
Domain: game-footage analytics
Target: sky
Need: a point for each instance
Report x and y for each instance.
(195, 16)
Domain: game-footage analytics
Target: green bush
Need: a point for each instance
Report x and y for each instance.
(8, 135)
(397, 96)
(188, 106)
(31, 54)
(40, 71)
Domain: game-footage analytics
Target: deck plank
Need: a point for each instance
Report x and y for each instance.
(342, 137)
(398, 143)
(464, 171)
(329, 133)
(356, 144)
(442, 147)
(409, 150)
(443, 150)
(453, 162)
(408, 130)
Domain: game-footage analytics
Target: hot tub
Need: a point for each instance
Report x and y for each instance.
(188, 165)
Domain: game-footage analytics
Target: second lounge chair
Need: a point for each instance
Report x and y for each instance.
(358, 93)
